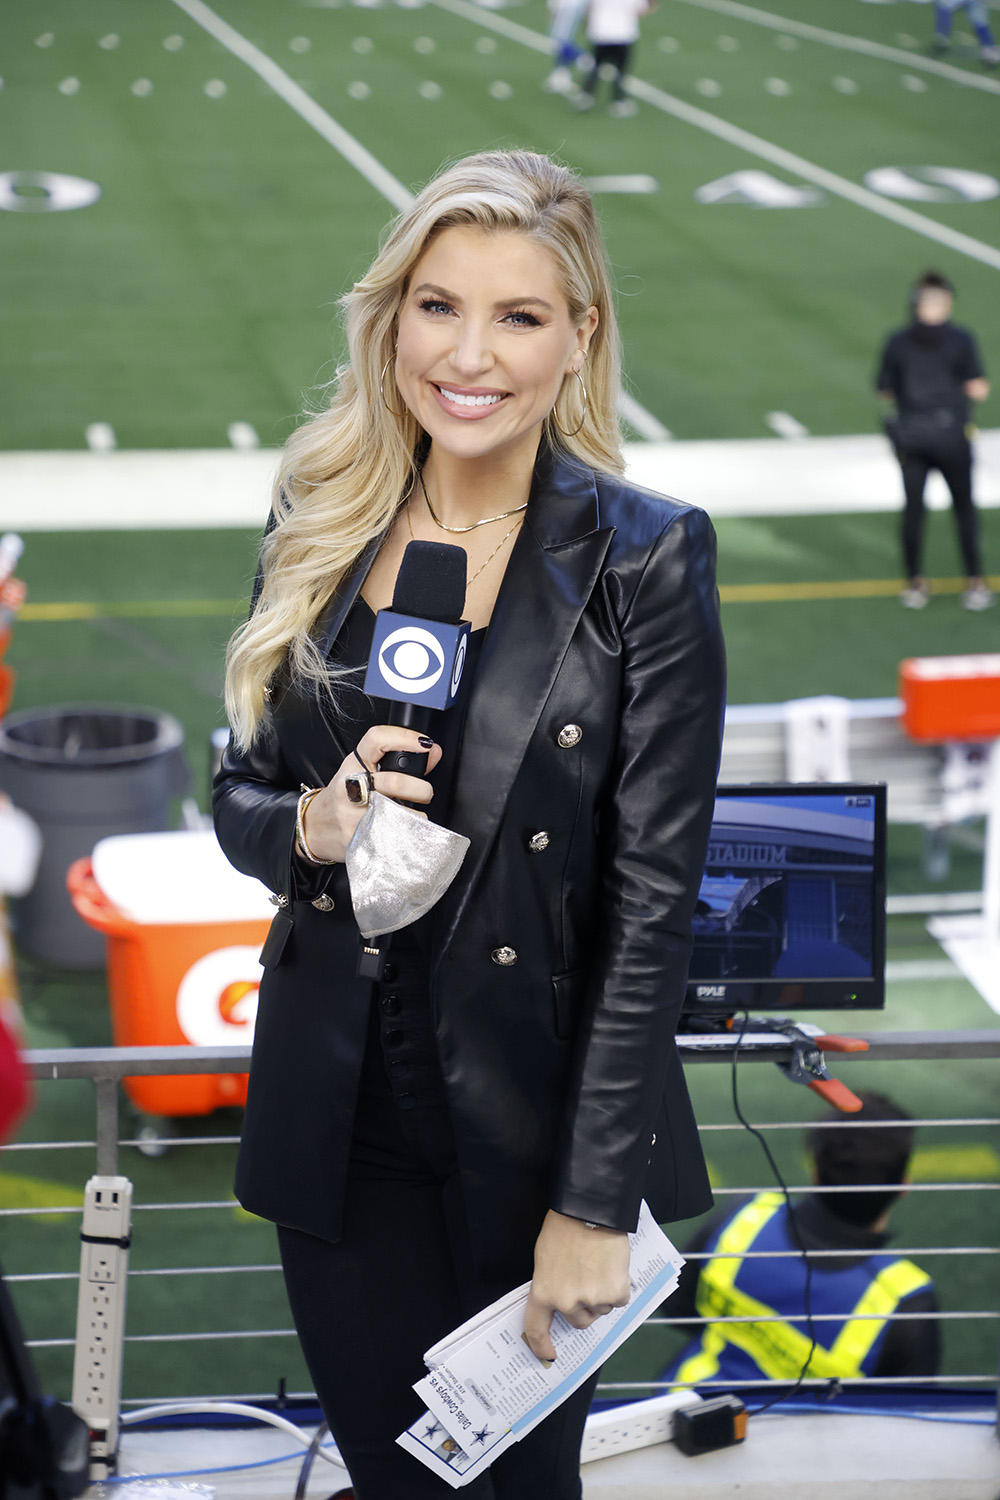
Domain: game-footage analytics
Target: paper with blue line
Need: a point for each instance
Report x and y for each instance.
(486, 1390)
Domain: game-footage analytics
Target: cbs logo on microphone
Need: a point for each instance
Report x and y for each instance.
(416, 660)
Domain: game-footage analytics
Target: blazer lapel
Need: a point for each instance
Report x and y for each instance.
(319, 735)
(339, 607)
(552, 572)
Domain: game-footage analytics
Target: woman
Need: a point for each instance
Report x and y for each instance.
(498, 1104)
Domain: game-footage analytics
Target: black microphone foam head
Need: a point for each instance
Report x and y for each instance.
(431, 582)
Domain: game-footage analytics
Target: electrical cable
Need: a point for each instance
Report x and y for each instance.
(309, 1460)
(258, 1463)
(792, 1223)
(234, 1409)
(887, 1411)
(229, 1409)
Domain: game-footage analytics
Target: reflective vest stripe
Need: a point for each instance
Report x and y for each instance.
(704, 1364)
(891, 1285)
(777, 1348)
(736, 1238)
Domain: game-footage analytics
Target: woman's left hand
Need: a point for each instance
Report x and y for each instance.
(579, 1272)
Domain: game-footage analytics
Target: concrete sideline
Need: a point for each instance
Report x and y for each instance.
(135, 489)
(785, 1457)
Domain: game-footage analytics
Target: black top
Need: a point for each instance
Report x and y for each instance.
(910, 1348)
(926, 366)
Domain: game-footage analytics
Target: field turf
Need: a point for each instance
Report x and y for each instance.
(200, 288)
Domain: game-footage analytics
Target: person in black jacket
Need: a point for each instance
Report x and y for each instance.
(496, 1106)
(933, 373)
(753, 1264)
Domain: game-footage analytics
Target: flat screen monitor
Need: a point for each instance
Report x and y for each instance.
(791, 910)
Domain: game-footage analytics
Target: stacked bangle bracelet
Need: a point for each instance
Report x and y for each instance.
(308, 793)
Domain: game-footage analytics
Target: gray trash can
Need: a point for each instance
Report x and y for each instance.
(83, 772)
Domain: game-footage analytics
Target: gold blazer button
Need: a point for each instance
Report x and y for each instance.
(504, 957)
(324, 903)
(568, 736)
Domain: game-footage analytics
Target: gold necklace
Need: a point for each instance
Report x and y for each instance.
(487, 521)
(492, 555)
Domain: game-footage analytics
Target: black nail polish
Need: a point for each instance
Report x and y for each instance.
(426, 741)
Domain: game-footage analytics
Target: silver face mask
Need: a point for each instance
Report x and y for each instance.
(399, 865)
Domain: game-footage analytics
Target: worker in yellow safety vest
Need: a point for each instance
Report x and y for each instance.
(755, 1270)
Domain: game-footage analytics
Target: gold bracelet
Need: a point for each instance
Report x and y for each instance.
(300, 831)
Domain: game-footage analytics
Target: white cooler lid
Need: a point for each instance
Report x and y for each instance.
(178, 878)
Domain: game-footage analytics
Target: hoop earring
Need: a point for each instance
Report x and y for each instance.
(583, 417)
(381, 386)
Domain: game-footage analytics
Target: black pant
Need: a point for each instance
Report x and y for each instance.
(402, 1276)
(616, 55)
(955, 465)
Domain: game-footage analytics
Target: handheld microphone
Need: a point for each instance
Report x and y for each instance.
(420, 644)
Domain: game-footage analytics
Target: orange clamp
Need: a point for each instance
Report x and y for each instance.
(840, 1044)
(837, 1094)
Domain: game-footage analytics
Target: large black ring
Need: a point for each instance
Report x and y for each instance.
(358, 789)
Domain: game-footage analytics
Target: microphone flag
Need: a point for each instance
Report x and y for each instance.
(416, 660)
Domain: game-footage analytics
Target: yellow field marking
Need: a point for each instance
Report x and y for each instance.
(36, 1192)
(955, 1164)
(244, 1216)
(730, 593)
(148, 609)
(852, 588)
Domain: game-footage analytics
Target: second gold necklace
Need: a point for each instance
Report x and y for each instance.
(492, 555)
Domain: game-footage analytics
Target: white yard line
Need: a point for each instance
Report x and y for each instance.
(189, 489)
(626, 182)
(488, 18)
(359, 156)
(642, 421)
(296, 97)
(848, 43)
(786, 426)
(832, 182)
(906, 970)
(755, 145)
(926, 905)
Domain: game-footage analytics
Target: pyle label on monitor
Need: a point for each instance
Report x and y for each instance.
(416, 661)
(711, 992)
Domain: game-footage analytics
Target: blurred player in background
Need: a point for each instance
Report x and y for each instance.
(612, 31)
(566, 17)
(944, 14)
(932, 371)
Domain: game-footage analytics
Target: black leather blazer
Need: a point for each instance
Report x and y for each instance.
(596, 717)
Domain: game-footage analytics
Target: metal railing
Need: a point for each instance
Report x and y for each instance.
(108, 1067)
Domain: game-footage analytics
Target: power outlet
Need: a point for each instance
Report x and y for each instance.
(640, 1424)
(100, 1315)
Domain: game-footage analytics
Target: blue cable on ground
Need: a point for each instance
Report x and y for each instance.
(878, 1411)
(259, 1463)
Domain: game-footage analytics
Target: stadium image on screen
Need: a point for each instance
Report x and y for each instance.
(791, 905)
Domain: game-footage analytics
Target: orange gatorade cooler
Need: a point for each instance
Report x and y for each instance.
(184, 932)
(951, 697)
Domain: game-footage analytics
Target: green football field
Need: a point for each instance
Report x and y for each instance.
(199, 289)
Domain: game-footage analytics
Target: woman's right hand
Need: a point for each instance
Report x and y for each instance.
(331, 817)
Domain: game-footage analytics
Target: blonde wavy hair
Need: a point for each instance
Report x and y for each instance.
(346, 471)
